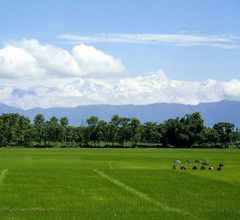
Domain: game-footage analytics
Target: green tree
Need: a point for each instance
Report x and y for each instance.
(40, 129)
(208, 137)
(124, 134)
(92, 123)
(183, 132)
(113, 130)
(151, 133)
(225, 131)
(194, 125)
(2, 133)
(171, 130)
(16, 130)
(53, 130)
(102, 130)
(64, 123)
(135, 130)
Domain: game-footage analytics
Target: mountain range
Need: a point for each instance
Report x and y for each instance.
(211, 112)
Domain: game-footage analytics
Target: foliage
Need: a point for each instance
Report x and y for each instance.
(188, 131)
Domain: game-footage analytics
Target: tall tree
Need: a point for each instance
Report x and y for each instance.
(92, 123)
(225, 131)
(16, 130)
(113, 131)
(151, 133)
(135, 130)
(40, 134)
(53, 129)
(64, 123)
(124, 134)
(194, 125)
(183, 132)
(102, 130)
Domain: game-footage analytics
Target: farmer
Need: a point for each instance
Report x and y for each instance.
(183, 168)
(210, 168)
(221, 165)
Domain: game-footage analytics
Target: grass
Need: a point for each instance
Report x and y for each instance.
(117, 184)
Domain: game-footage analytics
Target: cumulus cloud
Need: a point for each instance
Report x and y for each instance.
(219, 41)
(37, 75)
(95, 61)
(150, 88)
(30, 59)
(16, 62)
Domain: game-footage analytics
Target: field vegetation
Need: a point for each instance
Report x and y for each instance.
(85, 183)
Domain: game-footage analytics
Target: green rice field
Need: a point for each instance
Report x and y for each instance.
(117, 184)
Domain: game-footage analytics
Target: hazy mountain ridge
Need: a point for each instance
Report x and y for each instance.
(211, 112)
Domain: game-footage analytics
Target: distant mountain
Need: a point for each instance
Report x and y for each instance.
(211, 112)
(8, 109)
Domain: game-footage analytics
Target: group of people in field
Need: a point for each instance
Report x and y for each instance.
(199, 165)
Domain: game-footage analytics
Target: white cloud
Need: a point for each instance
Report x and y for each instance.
(220, 41)
(30, 59)
(36, 75)
(16, 62)
(150, 88)
(95, 61)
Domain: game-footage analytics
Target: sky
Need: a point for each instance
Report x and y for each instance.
(67, 53)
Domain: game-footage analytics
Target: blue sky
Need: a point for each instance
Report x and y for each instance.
(190, 41)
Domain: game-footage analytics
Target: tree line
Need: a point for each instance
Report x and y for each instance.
(186, 132)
